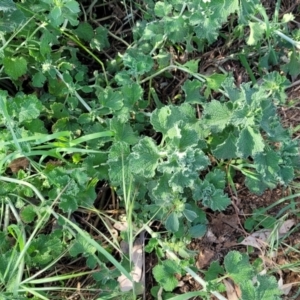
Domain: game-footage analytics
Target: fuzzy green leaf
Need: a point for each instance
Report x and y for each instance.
(7, 5)
(25, 107)
(131, 94)
(144, 158)
(215, 81)
(238, 267)
(213, 271)
(265, 288)
(11, 20)
(15, 67)
(85, 31)
(137, 62)
(250, 142)
(164, 274)
(225, 149)
(216, 115)
(162, 9)
(100, 41)
(191, 89)
(110, 98)
(123, 132)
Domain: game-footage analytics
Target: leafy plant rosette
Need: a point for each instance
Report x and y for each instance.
(77, 127)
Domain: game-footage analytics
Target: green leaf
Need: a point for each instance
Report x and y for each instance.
(215, 81)
(250, 142)
(118, 163)
(131, 94)
(7, 5)
(85, 31)
(217, 178)
(137, 62)
(11, 20)
(44, 249)
(38, 79)
(162, 9)
(191, 89)
(189, 214)
(198, 231)
(81, 246)
(172, 222)
(100, 41)
(175, 28)
(25, 107)
(28, 214)
(110, 98)
(293, 66)
(164, 274)
(165, 118)
(216, 115)
(238, 267)
(144, 158)
(15, 67)
(211, 196)
(257, 31)
(213, 271)
(123, 132)
(267, 163)
(226, 149)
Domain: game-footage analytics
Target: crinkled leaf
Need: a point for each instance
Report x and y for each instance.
(7, 5)
(81, 245)
(250, 142)
(137, 62)
(217, 115)
(144, 158)
(267, 163)
(162, 9)
(25, 107)
(257, 31)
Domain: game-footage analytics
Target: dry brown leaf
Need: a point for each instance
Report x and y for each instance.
(259, 238)
(285, 288)
(204, 258)
(17, 164)
(233, 292)
(137, 259)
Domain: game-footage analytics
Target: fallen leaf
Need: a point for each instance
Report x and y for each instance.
(259, 238)
(285, 288)
(137, 260)
(17, 164)
(233, 291)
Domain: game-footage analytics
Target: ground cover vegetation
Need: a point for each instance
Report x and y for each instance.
(134, 134)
